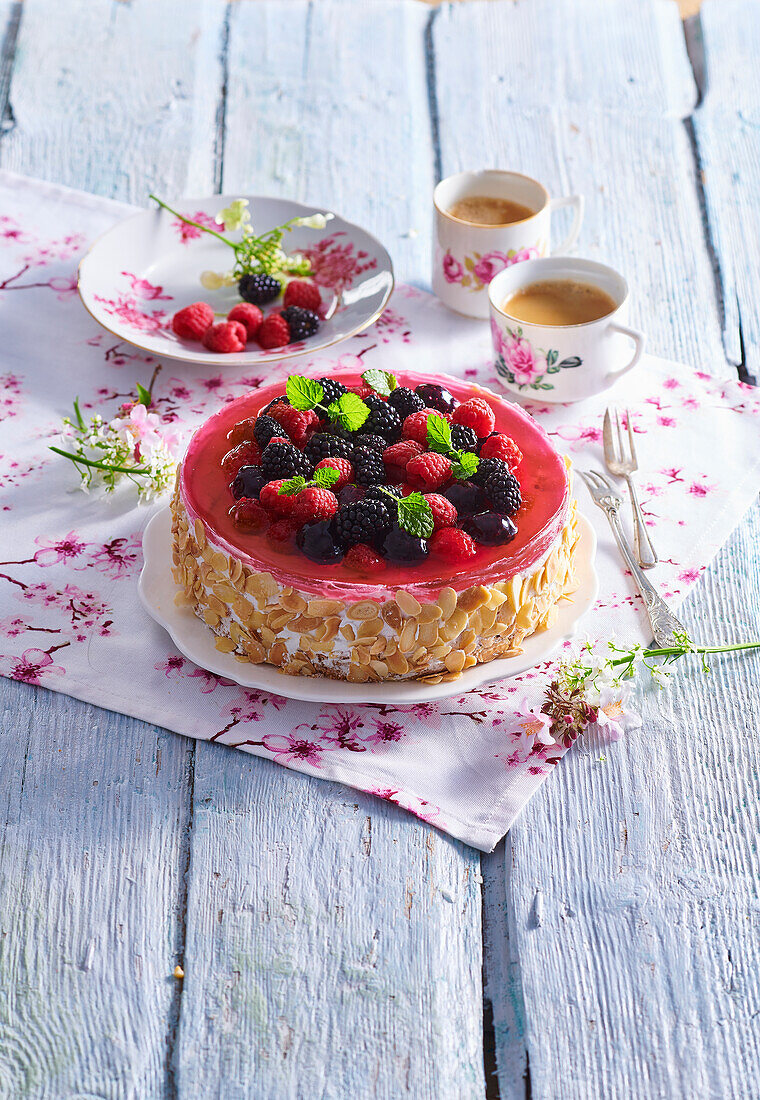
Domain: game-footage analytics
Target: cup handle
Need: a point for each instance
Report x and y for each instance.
(579, 204)
(639, 340)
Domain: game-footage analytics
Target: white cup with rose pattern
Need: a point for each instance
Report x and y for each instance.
(562, 362)
(468, 255)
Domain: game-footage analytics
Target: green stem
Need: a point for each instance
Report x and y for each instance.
(189, 221)
(682, 650)
(80, 461)
(78, 413)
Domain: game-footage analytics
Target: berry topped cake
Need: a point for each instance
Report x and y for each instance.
(367, 527)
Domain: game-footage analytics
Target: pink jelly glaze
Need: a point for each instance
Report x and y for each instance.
(205, 492)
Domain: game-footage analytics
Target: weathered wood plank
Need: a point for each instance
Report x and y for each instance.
(730, 170)
(592, 971)
(333, 943)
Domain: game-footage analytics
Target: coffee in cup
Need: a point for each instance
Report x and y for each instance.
(489, 210)
(559, 302)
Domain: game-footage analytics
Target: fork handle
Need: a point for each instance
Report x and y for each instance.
(645, 552)
(662, 620)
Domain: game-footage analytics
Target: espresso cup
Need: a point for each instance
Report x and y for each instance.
(562, 362)
(468, 255)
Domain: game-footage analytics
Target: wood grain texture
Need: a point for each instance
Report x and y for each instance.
(615, 913)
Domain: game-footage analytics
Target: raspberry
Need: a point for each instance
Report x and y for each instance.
(362, 390)
(363, 559)
(405, 402)
(344, 468)
(303, 294)
(270, 498)
(369, 468)
(274, 332)
(191, 322)
(428, 471)
(415, 426)
(299, 425)
(249, 316)
(501, 446)
(248, 515)
(282, 532)
(476, 414)
(259, 289)
(400, 454)
(444, 512)
(247, 453)
(453, 545)
(383, 420)
(282, 459)
(313, 504)
(301, 322)
(226, 336)
(242, 431)
(323, 445)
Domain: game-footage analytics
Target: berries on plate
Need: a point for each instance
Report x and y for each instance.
(225, 337)
(369, 468)
(324, 445)
(428, 471)
(453, 545)
(259, 289)
(301, 323)
(503, 491)
(248, 315)
(463, 438)
(444, 512)
(332, 389)
(476, 414)
(299, 424)
(502, 447)
(191, 322)
(242, 431)
(282, 532)
(270, 498)
(274, 332)
(304, 295)
(399, 455)
(265, 429)
(400, 546)
(383, 420)
(466, 497)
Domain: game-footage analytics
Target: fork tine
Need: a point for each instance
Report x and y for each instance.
(609, 442)
(605, 482)
(595, 479)
(620, 435)
(630, 436)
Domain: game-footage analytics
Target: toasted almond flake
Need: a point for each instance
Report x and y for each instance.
(378, 647)
(320, 609)
(211, 618)
(238, 634)
(380, 668)
(277, 653)
(455, 661)
(439, 652)
(356, 674)
(361, 655)
(406, 640)
(454, 625)
(224, 645)
(332, 625)
(419, 656)
(276, 620)
(200, 534)
(235, 570)
(397, 663)
(224, 592)
(436, 679)
(304, 624)
(391, 614)
(427, 634)
(181, 599)
(408, 605)
(291, 601)
(348, 633)
(449, 677)
(447, 601)
(470, 660)
(268, 636)
(430, 613)
(473, 598)
(370, 628)
(216, 605)
(364, 609)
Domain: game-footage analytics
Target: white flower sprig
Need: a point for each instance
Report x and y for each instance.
(136, 445)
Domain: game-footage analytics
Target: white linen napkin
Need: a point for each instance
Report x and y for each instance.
(70, 619)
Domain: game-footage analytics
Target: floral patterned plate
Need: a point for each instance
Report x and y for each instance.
(193, 638)
(139, 273)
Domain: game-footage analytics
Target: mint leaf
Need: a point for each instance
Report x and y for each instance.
(438, 435)
(464, 465)
(303, 393)
(351, 412)
(415, 515)
(381, 381)
(292, 486)
(325, 476)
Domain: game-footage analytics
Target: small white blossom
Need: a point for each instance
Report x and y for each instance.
(234, 216)
(314, 221)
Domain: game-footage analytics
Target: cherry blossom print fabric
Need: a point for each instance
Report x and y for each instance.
(70, 618)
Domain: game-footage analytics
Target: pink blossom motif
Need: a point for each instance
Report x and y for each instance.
(666, 421)
(143, 289)
(119, 557)
(522, 361)
(334, 264)
(189, 233)
(671, 384)
(390, 324)
(58, 551)
(10, 395)
(12, 627)
(690, 576)
(699, 489)
(10, 230)
(128, 311)
(171, 667)
(579, 434)
(386, 735)
(289, 748)
(32, 665)
(488, 266)
(211, 681)
(339, 728)
(65, 286)
(452, 269)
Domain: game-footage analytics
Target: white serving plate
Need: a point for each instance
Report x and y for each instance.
(195, 641)
(140, 272)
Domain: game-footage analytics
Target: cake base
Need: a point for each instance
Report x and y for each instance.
(396, 637)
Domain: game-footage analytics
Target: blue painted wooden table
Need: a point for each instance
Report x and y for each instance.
(332, 945)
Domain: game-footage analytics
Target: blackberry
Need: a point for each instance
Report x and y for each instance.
(464, 438)
(405, 402)
(284, 460)
(248, 482)
(371, 442)
(301, 322)
(488, 467)
(275, 401)
(264, 428)
(376, 492)
(259, 289)
(503, 492)
(361, 522)
(489, 528)
(398, 545)
(323, 445)
(382, 420)
(369, 468)
(332, 390)
(317, 541)
(436, 397)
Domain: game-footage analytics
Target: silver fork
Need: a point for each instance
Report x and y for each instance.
(664, 623)
(623, 464)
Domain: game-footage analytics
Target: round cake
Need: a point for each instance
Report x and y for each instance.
(368, 528)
